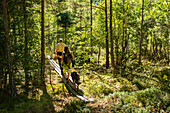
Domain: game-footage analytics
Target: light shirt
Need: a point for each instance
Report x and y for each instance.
(60, 47)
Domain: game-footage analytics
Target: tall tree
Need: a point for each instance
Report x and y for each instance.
(91, 22)
(107, 42)
(141, 35)
(111, 39)
(26, 48)
(168, 31)
(65, 21)
(8, 50)
(117, 44)
(123, 38)
(42, 49)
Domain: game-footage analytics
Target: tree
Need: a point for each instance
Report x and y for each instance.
(8, 52)
(124, 38)
(107, 42)
(141, 35)
(168, 30)
(26, 49)
(111, 39)
(42, 49)
(91, 22)
(65, 21)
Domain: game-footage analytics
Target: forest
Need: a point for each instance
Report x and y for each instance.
(121, 50)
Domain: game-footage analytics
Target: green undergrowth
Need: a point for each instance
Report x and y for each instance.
(140, 95)
(142, 89)
(148, 100)
(143, 101)
(23, 104)
(76, 107)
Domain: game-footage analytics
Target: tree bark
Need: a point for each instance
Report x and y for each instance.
(168, 48)
(111, 41)
(124, 38)
(99, 53)
(117, 46)
(8, 50)
(42, 50)
(91, 21)
(141, 38)
(107, 42)
(26, 49)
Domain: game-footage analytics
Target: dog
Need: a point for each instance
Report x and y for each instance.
(76, 79)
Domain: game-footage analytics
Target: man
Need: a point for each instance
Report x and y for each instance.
(59, 52)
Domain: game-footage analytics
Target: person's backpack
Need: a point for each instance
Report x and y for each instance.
(68, 58)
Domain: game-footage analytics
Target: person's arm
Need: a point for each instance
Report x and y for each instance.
(62, 59)
(57, 49)
(56, 52)
(72, 56)
(55, 56)
(73, 61)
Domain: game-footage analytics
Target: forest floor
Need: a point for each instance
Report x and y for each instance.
(136, 89)
(138, 92)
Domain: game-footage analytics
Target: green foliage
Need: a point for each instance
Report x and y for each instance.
(24, 105)
(148, 100)
(136, 88)
(76, 107)
(65, 19)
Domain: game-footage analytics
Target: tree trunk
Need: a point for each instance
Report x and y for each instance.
(49, 38)
(42, 50)
(57, 38)
(91, 21)
(124, 38)
(99, 53)
(126, 42)
(117, 46)
(65, 33)
(8, 49)
(111, 40)
(168, 48)
(26, 50)
(107, 43)
(156, 47)
(123, 32)
(141, 38)
(5, 81)
(14, 43)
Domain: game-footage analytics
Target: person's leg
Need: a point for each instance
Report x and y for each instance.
(59, 61)
(61, 71)
(69, 71)
(67, 77)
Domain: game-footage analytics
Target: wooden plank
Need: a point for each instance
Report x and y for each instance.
(70, 86)
(57, 68)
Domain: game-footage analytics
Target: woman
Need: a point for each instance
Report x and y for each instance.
(66, 62)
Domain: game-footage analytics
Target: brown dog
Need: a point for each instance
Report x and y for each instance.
(76, 79)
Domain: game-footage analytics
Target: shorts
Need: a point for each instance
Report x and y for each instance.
(67, 68)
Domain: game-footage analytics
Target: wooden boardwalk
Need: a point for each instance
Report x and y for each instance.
(70, 86)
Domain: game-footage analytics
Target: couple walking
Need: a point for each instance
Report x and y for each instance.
(65, 58)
